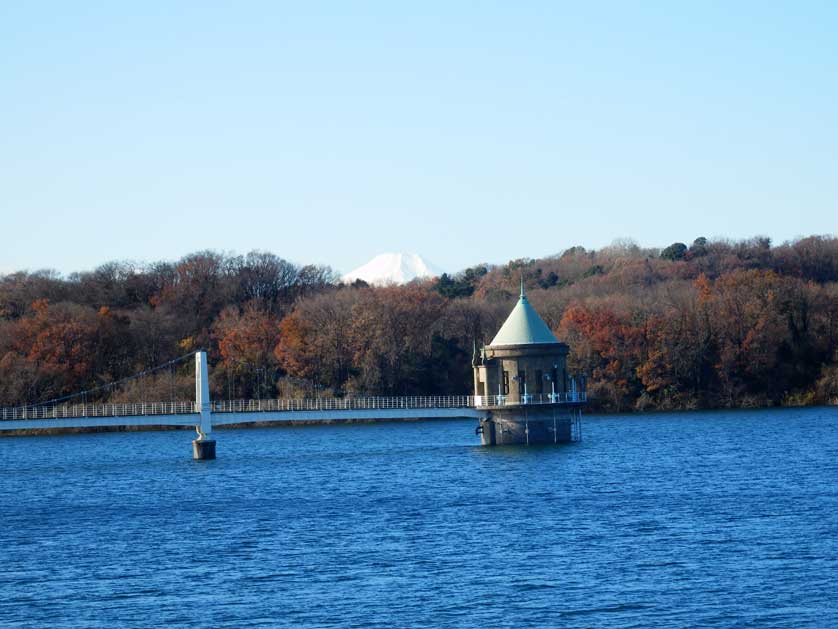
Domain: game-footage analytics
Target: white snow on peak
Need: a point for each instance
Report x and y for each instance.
(393, 268)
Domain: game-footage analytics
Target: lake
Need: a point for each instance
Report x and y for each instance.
(711, 519)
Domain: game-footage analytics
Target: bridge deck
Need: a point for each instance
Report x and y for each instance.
(275, 410)
(225, 419)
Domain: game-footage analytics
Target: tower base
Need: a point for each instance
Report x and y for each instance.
(524, 426)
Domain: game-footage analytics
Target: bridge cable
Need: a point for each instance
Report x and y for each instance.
(110, 386)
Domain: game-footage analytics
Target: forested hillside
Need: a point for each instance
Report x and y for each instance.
(712, 324)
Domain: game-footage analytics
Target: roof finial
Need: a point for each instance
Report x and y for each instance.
(522, 286)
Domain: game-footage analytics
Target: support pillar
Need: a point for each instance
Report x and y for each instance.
(203, 448)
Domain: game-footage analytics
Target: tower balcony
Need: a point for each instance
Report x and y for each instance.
(568, 398)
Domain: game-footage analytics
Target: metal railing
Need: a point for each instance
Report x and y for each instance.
(290, 405)
(569, 397)
(97, 410)
(344, 404)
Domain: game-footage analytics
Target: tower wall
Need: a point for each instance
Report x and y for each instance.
(534, 362)
(529, 426)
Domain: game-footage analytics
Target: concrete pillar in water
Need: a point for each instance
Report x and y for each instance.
(203, 448)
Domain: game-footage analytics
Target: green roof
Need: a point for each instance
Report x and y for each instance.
(523, 327)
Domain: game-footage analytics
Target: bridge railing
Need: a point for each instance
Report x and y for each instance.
(281, 404)
(384, 403)
(343, 404)
(96, 410)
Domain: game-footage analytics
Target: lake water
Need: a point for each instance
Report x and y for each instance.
(722, 519)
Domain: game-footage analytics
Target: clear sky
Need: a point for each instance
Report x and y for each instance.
(465, 132)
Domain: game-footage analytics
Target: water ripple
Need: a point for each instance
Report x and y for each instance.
(694, 520)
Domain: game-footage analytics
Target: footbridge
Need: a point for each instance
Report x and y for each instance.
(205, 415)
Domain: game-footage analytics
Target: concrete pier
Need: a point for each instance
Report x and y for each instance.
(203, 449)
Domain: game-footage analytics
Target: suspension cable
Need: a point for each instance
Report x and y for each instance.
(111, 385)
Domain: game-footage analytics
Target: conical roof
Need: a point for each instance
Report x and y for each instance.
(523, 327)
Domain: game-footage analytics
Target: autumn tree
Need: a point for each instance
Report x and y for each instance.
(749, 329)
(392, 337)
(246, 339)
(63, 348)
(604, 341)
(315, 338)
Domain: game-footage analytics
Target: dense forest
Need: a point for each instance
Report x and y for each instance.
(710, 324)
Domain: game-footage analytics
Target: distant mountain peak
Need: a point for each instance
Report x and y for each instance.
(393, 268)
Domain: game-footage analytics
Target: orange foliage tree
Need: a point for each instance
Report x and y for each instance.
(246, 339)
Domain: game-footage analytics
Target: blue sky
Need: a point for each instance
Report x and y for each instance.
(465, 132)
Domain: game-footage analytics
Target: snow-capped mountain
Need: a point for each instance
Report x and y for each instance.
(393, 268)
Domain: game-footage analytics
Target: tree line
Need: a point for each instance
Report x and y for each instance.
(711, 324)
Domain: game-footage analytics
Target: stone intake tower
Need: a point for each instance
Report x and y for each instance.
(521, 380)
